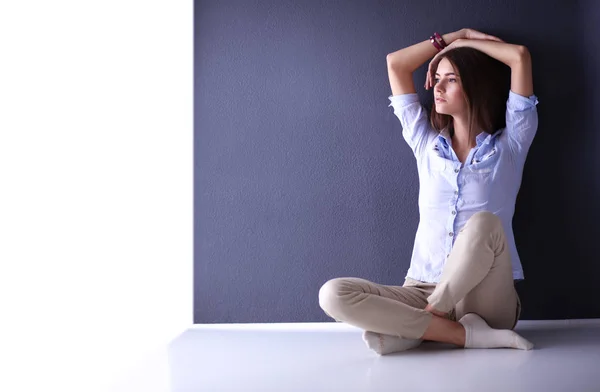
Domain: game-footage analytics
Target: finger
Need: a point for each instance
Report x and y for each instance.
(429, 77)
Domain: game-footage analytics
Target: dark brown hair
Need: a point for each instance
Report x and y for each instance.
(485, 82)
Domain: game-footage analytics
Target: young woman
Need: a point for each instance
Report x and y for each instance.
(470, 153)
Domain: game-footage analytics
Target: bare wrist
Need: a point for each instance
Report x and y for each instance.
(451, 37)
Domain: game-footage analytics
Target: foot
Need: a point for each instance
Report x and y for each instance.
(385, 344)
(480, 335)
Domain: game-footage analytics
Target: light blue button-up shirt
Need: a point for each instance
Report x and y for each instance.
(450, 192)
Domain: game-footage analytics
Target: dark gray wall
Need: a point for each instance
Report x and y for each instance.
(302, 175)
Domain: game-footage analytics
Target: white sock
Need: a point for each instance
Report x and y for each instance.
(480, 335)
(385, 344)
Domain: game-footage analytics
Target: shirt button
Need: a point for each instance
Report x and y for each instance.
(453, 212)
(455, 170)
(451, 234)
(456, 192)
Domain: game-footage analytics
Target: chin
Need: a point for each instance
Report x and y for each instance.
(442, 110)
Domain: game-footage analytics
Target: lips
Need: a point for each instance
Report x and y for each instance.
(440, 100)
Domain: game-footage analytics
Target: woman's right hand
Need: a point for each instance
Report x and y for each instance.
(474, 34)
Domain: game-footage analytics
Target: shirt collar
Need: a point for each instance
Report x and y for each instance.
(445, 138)
(479, 139)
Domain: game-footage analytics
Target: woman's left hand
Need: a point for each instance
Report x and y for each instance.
(429, 79)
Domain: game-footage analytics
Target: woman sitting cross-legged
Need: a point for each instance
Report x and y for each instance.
(470, 153)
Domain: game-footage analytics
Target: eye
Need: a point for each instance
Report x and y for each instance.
(452, 80)
(436, 80)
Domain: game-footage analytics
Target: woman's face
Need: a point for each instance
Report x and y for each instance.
(447, 91)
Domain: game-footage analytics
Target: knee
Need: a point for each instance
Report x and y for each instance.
(330, 294)
(484, 222)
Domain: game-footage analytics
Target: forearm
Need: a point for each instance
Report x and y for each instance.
(509, 54)
(412, 57)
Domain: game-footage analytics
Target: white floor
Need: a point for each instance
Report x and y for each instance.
(315, 357)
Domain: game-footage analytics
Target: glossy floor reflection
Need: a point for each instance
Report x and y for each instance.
(333, 357)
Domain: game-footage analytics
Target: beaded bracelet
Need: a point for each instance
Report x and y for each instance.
(433, 41)
(440, 40)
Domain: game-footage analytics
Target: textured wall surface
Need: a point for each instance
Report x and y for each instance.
(302, 175)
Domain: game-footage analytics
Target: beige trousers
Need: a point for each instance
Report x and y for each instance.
(477, 278)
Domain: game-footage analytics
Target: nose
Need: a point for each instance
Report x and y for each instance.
(438, 87)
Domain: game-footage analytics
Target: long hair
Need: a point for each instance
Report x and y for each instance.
(485, 83)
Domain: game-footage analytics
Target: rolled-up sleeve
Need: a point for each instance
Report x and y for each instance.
(416, 129)
(521, 122)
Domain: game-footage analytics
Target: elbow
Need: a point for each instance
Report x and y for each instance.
(522, 54)
(389, 59)
(392, 60)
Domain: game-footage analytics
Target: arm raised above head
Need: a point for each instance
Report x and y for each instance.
(517, 57)
(402, 63)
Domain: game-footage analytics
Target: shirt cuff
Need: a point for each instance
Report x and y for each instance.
(403, 99)
(520, 102)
